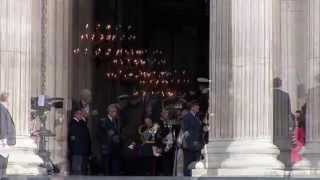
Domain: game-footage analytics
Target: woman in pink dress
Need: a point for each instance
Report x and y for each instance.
(299, 137)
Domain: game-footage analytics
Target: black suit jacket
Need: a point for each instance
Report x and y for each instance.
(109, 137)
(7, 128)
(79, 138)
(192, 129)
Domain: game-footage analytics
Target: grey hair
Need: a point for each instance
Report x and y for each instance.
(112, 106)
(85, 93)
(4, 96)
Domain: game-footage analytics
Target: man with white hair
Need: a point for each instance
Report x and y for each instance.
(109, 138)
(7, 133)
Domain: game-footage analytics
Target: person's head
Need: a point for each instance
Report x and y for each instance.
(134, 99)
(123, 100)
(113, 111)
(277, 82)
(85, 95)
(164, 114)
(194, 106)
(4, 97)
(148, 122)
(299, 119)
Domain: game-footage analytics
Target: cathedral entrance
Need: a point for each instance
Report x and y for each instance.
(150, 59)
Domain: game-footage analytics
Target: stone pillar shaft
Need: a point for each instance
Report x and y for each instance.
(241, 60)
(241, 55)
(15, 59)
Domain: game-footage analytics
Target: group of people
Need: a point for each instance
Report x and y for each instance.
(151, 148)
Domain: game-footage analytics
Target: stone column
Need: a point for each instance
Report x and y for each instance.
(241, 56)
(58, 74)
(15, 59)
(310, 164)
(16, 62)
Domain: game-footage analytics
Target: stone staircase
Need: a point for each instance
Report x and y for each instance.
(23, 159)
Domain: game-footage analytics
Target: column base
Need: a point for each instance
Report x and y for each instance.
(285, 151)
(23, 160)
(241, 158)
(305, 173)
(248, 172)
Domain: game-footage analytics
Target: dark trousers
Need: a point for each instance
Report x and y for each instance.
(3, 165)
(148, 166)
(165, 164)
(111, 165)
(188, 158)
(79, 165)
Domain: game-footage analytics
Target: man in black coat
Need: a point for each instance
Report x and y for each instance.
(7, 133)
(192, 142)
(79, 143)
(109, 137)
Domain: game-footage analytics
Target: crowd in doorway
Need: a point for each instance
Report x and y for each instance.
(138, 136)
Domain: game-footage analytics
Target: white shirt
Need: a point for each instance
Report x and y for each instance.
(109, 117)
(4, 148)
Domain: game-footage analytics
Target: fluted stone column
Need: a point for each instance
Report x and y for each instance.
(16, 64)
(15, 59)
(241, 56)
(310, 164)
(57, 71)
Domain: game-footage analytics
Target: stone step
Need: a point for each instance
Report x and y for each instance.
(23, 159)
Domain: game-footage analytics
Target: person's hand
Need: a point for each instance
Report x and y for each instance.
(95, 112)
(132, 146)
(186, 134)
(111, 132)
(205, 128)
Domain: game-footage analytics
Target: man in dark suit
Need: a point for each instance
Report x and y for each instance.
(109, 137)
(79, 143)
(7, 133)
(192, 142)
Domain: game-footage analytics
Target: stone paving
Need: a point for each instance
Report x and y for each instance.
(151, 178)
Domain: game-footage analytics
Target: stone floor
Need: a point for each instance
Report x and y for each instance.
(23, 160)
(150, 178)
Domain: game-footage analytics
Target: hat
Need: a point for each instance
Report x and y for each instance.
(193, 103)
(202, 80)
(134, 96)
(123, 96)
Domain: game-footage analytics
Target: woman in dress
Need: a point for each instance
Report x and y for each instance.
(299, 137)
